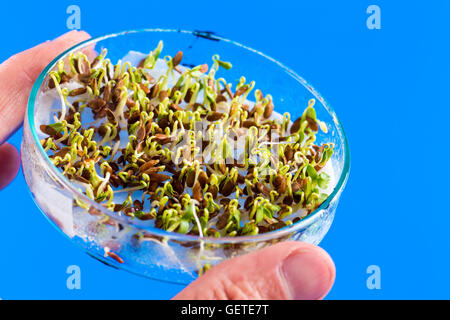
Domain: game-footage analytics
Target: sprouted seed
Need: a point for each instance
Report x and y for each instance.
(184, 150)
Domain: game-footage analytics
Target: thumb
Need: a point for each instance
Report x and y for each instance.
(288, 270)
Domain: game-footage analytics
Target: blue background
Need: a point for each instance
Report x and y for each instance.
(390, 88)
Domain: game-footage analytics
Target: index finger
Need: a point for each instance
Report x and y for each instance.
(18, 73)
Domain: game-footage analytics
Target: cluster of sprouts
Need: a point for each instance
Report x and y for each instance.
(183, 148)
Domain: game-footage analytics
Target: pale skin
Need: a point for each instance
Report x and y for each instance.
(288, 270)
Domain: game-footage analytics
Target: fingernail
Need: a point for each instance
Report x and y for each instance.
(308, 275)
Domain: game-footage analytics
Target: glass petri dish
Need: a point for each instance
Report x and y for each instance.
(146, 250)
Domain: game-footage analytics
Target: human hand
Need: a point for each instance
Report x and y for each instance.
(17, 75)
(288, 270)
